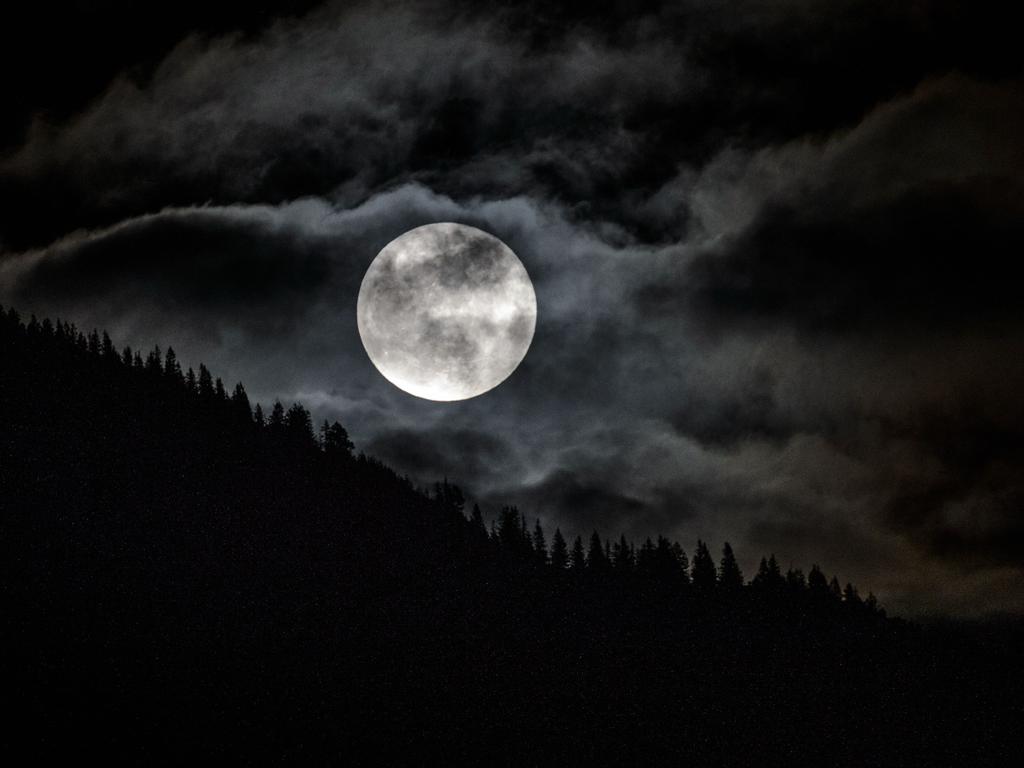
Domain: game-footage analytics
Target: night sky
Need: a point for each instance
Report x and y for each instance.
(774, 245)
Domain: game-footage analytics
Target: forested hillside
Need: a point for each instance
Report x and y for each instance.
(187, 575)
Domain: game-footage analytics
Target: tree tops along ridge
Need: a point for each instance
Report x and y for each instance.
(509, 538)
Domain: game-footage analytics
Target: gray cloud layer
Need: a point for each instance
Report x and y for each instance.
(804, 339)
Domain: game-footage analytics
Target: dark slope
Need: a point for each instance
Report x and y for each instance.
(181, 581)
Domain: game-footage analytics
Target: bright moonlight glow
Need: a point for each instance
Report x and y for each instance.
(446, 312)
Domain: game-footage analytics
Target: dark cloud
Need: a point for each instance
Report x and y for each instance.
(595, 109)
(466, 457)
(970, 510)
(92, 37)
(578, 503)
(943, 253)
(912, 217)
(748, 413)
(193, 258)
(347, 102)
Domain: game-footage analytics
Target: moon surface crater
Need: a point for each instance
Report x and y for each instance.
(446, 311)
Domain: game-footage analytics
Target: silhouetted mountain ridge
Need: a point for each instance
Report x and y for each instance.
(188, 576)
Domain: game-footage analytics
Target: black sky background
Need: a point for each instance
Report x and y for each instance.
(775, 248)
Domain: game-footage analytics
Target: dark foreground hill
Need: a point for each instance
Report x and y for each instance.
(186, 580)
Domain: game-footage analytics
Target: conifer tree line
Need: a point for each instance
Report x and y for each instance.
(510, 536)
(169, 546)
(293, 425)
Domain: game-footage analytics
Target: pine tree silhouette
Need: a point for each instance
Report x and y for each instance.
(171, 368)
(540, 547)
(834, 589)
(559, 551)
(510, 531)
(477, 522)
(645, 559)
(578, 559)
(275, 424)
(258, 418)
(240, 403)
(205, 382)
(850, 595)
(597, 561)
(729, 575)
(817, 584)
(335, 440)
(796, 580)
(703, 574)
(622, 559)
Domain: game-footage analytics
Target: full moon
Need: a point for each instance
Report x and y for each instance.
(446, 312)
